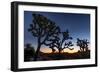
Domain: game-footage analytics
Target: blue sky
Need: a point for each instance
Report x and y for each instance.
(77, 24)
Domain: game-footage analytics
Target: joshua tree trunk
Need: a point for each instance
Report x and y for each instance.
(37, 51)
(59, 53)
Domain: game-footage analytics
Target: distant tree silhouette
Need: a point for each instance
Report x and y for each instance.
(83, 44)
(44, 29)
(28, 52)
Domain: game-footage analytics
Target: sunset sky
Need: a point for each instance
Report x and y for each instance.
(77, 24)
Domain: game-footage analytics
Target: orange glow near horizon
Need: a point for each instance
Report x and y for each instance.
(48, 50)
(71, 51)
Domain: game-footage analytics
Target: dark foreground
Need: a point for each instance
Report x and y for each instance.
(62, 56)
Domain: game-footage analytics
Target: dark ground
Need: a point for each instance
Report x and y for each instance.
(62, 56)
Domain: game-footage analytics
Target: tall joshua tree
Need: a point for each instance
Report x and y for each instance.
(44, 29)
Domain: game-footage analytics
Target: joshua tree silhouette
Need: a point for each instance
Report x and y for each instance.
(44, 29)
(66, 37)
(83, 44)
(59, 41)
